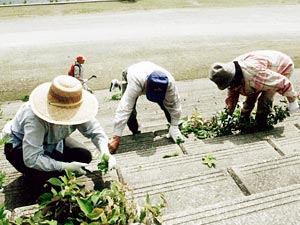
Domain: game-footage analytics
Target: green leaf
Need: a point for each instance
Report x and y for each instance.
(209, 160)
(95, 214)
(103, 165)
(116, 96)
(55, 181)
(179, 140)
(44, 199)
(4, 140)
(85, 206)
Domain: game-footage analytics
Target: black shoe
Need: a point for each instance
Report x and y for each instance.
(136, 132)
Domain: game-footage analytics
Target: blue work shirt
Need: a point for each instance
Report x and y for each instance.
(38, 136)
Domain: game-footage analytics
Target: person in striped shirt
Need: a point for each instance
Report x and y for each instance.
(258, 75)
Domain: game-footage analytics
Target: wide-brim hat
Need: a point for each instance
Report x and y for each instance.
(63, 102)
(222, 74)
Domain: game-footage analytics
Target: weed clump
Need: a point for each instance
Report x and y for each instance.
(223, 124)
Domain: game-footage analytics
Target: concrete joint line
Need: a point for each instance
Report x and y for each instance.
(120, 175)
(239, 182)
(275, 147)
(183, 149)
(297, 126)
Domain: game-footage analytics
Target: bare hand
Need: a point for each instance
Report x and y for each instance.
(113, 144)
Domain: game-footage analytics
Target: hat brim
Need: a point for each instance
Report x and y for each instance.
(63, 116)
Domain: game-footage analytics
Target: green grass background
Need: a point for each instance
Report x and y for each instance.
(22, 70)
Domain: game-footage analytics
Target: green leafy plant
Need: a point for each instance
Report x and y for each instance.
(3, 217)
(116, 96)
(70, 203)
(103, 165)
(222, 124)
(25, 98)
(209, 160)
(179, 140)
(4, 140)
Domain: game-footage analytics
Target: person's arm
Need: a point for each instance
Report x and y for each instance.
(125, 108)
(95, 132)
(33, 152)
(231, 100)
(172, 103)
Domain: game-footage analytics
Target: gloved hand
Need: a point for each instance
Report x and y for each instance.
(111, 162)
(293, 106)
(113, 144)
(174, 133)
(230, 120)
(74, 166)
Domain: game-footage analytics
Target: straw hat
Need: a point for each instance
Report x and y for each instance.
(63, 102)
(222, 74)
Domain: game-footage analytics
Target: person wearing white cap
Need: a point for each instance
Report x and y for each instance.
(258, 75)
(39, 145)
(159, 86)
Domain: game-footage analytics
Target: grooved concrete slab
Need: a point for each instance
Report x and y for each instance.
(233, 150)
(186, 191)
(276, 207)
(270, 174)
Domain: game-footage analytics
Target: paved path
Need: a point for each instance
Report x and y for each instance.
(256, 179)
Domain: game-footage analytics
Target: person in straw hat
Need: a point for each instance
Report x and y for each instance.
(159, 87)
(258, 75)
(39, 145)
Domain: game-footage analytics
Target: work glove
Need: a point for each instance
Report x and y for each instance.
(293, 106)
(112, 162)
(174, 133)
(113, 144)
(74, 167)
(230, 120)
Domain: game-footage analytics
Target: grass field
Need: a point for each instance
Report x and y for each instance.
(22, 69)
(66, 9)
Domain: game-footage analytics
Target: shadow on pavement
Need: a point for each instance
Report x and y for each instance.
(144, 144)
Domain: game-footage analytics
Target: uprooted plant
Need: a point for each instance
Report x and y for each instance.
(222, 124)
(70, 203)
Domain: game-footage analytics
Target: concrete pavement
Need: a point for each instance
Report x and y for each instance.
(256, 179)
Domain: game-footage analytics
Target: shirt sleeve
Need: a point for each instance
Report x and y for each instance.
(125, 107)
(172, 103)
(95, 132)
(232, 100)
(33, 151)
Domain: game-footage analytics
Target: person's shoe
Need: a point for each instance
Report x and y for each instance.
(136, 132)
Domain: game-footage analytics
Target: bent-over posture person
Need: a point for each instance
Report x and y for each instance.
(258, 75)
(159, 86)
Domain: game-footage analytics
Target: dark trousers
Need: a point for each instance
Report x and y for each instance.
(264, 106)
(73, 151)
(132, 122)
